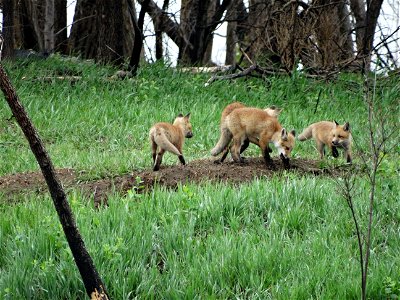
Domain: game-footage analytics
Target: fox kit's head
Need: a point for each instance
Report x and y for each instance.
(184, 123)
(341, 135)
(285, 142)
(273, 111)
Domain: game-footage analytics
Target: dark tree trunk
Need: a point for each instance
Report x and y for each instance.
(110, 35)
(82, 39)
(91, 279)
(345, 31)
(158, 31)
(8, 28)
(331, 39)
(138, 43)
(209, 40)
(261, 38)
(159, 42)
(60, 26)
(102, 30)
(373, 10)
(28, 38)
(197, 26)
(358, 9)
(48, 27)
(231, 38)
(236, 31)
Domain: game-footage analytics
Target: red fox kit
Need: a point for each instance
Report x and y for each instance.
(259, 128)
(225, 133)
(330, 134)
(169, 137)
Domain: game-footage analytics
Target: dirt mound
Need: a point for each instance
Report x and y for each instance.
(169, 176)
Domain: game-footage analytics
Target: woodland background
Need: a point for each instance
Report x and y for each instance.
(319, 36)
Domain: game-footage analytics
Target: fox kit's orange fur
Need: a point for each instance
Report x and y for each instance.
(226, 134)
(260, 128)
(169, 137)
(330, 134)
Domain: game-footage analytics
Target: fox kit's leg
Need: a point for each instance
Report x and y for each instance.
(245, 145)
(180, 155)
(182, 159)
(158, 159)
(264, 146)
(154, 150)
(224, 155)
(320, 148)
(235, 149)
(347, 154)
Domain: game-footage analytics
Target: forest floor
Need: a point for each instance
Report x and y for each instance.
(196, 171)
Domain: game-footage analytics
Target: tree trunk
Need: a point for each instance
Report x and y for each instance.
(237, 18)
(35, 21)
(329, 36)
(231, 38)
(158, 31)
(110, 35)
(82, 39)
(138, 43)
(197, 27)
(373, 10)
(261, 38)
(34, 18)
(91, 279)
(210, 39)
(8, 29)
(60, 26)
(28, 37)
(48, 32)
(358, 9)
(102, 30)
(345, 32)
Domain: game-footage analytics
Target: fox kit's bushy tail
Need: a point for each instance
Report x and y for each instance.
(223, 142)
(157, 136)
(306, 134)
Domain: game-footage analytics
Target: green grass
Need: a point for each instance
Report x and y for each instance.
(286, 237)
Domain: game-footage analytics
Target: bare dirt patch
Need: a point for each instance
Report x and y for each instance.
(170, 176)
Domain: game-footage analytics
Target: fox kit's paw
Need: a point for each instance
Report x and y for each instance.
(217, 162)
(182, 159)
(285, 161)
(156, 168)
(243, 160)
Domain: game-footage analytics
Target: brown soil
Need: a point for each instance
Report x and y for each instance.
(169, 176)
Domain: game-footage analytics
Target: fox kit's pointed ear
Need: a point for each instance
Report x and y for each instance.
(336, 123)
(180, 116)
(284, 134)
(293, 132)
(187, 116)
(346, 126)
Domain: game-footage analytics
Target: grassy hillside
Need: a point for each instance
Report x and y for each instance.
(286, 237)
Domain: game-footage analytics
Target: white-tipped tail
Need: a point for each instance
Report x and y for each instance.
(224, 139)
